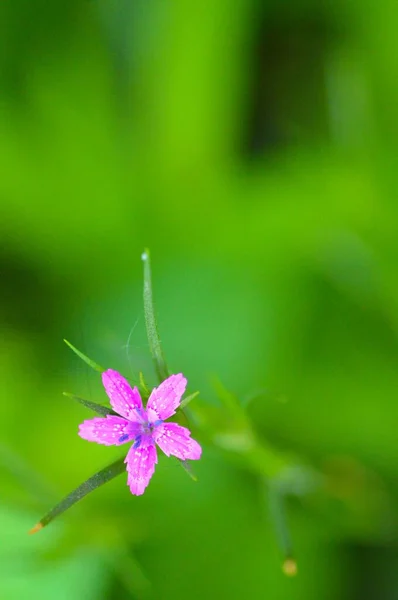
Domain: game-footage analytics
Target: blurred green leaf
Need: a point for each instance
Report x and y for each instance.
(130, 572)
(186, 465)
(24, 474)
(276, 500)
(230, 402)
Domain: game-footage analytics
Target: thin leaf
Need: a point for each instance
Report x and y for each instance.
(143, 386)
(182, 419)
(188, 469)
(278, 515)
(94, 482)
(97, 408)
(85, 358)
(150, 322)
(188, 399)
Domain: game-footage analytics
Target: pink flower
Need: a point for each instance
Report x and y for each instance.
(144, 427)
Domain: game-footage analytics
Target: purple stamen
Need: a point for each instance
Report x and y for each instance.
(124, 437)
(137, 442)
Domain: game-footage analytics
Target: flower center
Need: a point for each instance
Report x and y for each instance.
(145, 429)
(148, 427)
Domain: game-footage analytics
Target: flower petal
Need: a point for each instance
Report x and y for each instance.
(125, 400)
(167, 396)
(176, 440)
(141, 463)
(110, 431)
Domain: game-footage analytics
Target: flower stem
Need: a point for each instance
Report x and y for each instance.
(150, 321)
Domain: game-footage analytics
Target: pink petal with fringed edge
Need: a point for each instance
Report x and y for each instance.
(124, 399)
(140, 463)
(176, 440)
(110, 430)
(164, 399)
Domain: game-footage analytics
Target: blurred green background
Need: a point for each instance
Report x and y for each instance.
(253, 147)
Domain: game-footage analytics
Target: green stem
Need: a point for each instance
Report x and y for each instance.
(150, 321)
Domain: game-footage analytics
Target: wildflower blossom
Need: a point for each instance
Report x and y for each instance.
(143, 426)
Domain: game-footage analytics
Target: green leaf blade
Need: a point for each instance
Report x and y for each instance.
(94, 482)
(85, 358)
(97, 408)
(187, 400)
